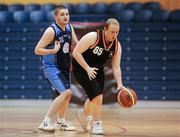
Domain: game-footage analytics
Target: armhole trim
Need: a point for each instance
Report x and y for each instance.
(116, 46)
(91, 47)
(54, 35)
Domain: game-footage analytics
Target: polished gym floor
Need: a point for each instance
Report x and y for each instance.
(21, 118)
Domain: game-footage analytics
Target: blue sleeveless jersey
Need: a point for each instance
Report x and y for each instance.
(52, 63)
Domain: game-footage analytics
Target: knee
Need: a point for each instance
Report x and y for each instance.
(97, 100)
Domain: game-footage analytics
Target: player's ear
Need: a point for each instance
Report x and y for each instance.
(55, 17)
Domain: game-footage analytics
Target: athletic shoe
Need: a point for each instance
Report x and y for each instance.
(66, 126)
(47, 126)
(97, 128)
(84, 121)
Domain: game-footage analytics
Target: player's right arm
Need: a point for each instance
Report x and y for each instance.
(45, 40)
(84, 44)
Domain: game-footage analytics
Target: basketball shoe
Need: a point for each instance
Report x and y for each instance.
(65, 125)
(47, 125)
(84, 121)
(96, 128)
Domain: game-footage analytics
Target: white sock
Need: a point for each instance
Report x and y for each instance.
(61, 120)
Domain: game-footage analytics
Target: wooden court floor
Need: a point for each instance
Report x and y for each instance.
(20, 118)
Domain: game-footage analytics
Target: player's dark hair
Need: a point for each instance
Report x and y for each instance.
(60, 7)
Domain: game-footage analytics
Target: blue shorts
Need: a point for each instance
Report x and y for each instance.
(59, 79)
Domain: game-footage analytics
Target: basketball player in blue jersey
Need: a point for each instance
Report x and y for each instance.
(54, 48)
(90, 55)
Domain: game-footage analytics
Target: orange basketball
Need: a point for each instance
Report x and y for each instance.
(127, 98)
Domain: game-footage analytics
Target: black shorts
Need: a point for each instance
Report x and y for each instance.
(93, 87)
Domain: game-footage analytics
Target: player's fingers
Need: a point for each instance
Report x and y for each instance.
(95, 68)
(93, 76)
(89, 77)
(56, 42)
(94, 72)
(118, 90)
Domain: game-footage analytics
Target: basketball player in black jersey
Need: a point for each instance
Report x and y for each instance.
(90, 55)
(54, 48)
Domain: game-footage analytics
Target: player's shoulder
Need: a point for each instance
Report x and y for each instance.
(89, 38)
(92, 35)
(49, 30)
(119, 44)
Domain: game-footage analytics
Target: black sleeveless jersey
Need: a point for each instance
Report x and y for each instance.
(99, 53)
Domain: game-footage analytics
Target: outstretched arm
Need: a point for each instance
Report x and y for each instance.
(116, 59)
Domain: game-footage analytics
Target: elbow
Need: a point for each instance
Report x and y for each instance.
(74, 53)
(36, 51)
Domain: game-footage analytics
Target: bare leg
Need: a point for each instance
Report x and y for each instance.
(57, 104)
(87, 108)
(64, 107)
(61, 123)
(96, 105)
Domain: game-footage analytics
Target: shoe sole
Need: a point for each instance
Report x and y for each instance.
(70, 129)
(64, 129)
(97, 133)
(51, 130)
(67, 129)
(81, 123)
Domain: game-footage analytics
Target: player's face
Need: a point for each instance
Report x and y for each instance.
(112, 32)
(62, 16)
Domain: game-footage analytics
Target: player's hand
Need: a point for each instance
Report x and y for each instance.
(92, 72)
(56, 46)
(120, 87)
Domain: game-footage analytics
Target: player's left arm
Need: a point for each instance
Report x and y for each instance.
(74, 37)
(116, 60)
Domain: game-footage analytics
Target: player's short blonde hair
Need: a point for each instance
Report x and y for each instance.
(111, 21)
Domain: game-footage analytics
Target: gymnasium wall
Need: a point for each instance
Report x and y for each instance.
(150, 43)
(166, 4)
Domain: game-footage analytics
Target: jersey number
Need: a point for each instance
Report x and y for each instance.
(98, 51)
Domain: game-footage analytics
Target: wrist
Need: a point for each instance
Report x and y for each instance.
(52, 51)
(120, 87)
(87, 68)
